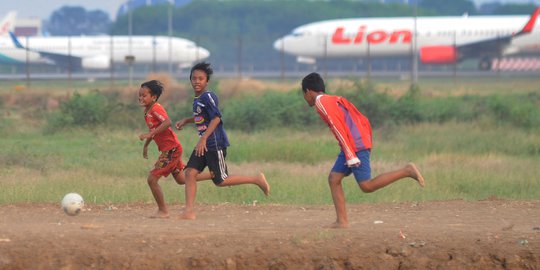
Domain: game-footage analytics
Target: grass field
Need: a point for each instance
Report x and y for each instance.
(460, 160)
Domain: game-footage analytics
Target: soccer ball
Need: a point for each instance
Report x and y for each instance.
(72, 204)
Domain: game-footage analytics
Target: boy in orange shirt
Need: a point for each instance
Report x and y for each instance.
(170, 160)
(353, 132)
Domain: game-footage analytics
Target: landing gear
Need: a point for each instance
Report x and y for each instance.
(485, 63)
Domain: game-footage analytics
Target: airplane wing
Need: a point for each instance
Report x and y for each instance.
(492, 47)
(62, 60)
(495, 46)
(486, 49)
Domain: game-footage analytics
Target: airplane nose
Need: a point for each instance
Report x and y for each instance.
(203, 53)
(278, 44)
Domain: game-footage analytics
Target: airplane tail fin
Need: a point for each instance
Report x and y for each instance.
(16, 41)
(8, 23)
(530, 24)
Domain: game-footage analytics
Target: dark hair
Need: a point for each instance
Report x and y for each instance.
(203, 66)
(155, 87)
(313, 81)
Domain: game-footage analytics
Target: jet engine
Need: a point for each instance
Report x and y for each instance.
(438, 55)
(96, 62)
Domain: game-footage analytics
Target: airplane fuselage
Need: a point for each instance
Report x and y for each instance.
(97, 51)
(395, 36)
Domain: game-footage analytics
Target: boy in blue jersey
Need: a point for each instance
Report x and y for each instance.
(211, 149)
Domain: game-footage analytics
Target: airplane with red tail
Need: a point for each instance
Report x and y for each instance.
(439, 40)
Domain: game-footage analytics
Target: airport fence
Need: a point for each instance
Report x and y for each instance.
(238, 57)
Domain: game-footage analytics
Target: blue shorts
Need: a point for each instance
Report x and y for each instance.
(361, 173)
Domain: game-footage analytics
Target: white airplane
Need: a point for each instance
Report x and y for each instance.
(94, 52)
(8, 24)
(440, 40)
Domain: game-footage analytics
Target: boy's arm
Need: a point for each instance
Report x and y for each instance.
(200, 148)
(162, 127)
(330, 112)
(145, 148)
(180, 124)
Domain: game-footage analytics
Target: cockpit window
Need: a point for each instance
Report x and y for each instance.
(301, 32)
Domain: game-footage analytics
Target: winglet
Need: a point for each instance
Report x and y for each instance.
(16, 41)
(530, 24)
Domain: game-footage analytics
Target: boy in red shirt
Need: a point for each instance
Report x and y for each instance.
(353, 132)
(170, 160)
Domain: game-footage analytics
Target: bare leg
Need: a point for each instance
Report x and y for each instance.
(259, 180)
(191, 192)
(338, 196)
(158, 196)
(385, 179)
(180, 177)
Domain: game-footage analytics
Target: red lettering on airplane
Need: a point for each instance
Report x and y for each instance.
(338, 38)
(372, 37)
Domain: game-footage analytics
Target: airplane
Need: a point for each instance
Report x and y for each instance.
(440, 40)
(8, 23)
(94, 52)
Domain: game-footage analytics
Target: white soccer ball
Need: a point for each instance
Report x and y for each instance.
(72, 204)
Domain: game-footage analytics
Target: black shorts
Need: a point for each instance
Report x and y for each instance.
(215, 160)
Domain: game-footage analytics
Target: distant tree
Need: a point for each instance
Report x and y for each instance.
(75, 20)
(514, 9)
(445, 7)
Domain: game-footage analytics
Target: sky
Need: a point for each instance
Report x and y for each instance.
(44, 8)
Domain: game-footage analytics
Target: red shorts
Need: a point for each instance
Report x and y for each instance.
(169, 162)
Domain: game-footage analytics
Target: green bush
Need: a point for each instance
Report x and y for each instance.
(289, 110)
(273, 109)
(520, 111)
(80, 110)
(406, 109)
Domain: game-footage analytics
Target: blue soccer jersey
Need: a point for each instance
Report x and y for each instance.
(205, 108)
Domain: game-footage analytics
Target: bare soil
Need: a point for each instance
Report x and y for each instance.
(491, 234)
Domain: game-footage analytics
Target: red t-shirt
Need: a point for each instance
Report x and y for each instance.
(167, 139)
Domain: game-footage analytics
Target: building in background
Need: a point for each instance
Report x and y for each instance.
(28, 27)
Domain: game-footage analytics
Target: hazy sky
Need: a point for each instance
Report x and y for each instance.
(44, 8)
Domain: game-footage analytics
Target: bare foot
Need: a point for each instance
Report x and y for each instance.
(415, 173)
(189, 215)
(160, 214)
(337, 225)
(263, 184)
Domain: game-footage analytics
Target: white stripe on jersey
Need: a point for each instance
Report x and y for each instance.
(211, 99)
(222, 165)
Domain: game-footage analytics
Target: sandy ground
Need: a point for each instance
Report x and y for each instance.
(492, 234)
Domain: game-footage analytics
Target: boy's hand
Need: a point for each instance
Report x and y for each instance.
(145, 136)
(353, 162)
(145, 152)
(355, 165)
(180, 124)
(200, 148)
